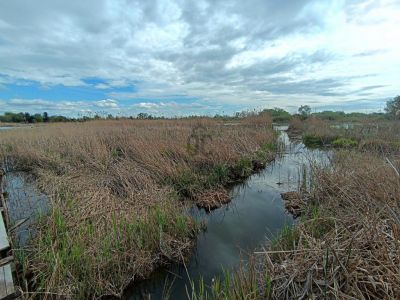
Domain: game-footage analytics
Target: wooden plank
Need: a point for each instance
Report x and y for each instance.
(4, 207)
(4, 244)
(7, 288)
(3, 287)
(6, 281)
(9, 279)
(6, 260)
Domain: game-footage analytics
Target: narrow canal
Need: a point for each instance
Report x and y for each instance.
(256, 213)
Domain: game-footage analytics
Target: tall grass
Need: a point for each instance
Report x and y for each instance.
(346, 245)
(246, 283)
(118, 190)
(347, 242)
(381, 137)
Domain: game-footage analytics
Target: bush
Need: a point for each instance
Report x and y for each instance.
(344, 143)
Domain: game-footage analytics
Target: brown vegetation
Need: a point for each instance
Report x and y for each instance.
(347, 242)
(367, 135)
(116, 189)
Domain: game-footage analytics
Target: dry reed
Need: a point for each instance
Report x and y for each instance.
(116, 189)
(348, 244)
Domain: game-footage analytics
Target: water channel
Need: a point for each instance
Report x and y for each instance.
(255, 214)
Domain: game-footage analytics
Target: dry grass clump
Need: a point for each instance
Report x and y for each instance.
(115, 188)
(348, 244)
(296, 126)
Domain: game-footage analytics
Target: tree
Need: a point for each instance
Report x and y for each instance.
(393, 107)
(144, 116)
(28, 118)
(304, 111)
(37, 118)
(278, 114)
(45, 117)
(13, 117)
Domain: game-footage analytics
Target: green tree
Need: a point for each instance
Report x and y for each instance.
(37, 118)
(304, 111)
(393, 107)
(28, 118)
(45, 117)
(278, 114)
(144, 116)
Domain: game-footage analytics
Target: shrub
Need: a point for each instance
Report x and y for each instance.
(344, 143)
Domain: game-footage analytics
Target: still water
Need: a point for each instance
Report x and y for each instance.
(256, 213)
(25, 203)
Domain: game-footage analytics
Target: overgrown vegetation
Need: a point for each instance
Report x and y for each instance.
(347, 242)
(364, 135)
(243, 284)
(119, 191)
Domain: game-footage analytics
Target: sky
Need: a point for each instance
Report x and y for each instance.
(197, 57)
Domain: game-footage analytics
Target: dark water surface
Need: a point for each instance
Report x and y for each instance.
(24, 202)
(255, 214)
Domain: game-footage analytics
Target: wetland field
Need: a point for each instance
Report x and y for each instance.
(119, 194)
(205, 208)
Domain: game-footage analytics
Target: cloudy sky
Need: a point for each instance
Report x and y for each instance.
(197, 57)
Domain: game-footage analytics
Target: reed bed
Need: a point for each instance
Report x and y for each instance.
(382, 137)
(346, 245)
(119, 191)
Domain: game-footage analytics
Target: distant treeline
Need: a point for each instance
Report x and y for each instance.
(277, 114)
(9, 117)
(24, 117)
(392, 111)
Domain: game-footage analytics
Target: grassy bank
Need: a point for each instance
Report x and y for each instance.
(346, 244)
(365, 135)
(119, 191)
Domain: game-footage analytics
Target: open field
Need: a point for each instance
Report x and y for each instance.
(119, 191)
(347, 243)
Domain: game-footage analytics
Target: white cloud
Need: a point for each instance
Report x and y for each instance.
(40, 105)
(253, 53)
(147, 105)
(107, 103)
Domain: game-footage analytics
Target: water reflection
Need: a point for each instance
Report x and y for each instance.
(24, 202)
(256, 212)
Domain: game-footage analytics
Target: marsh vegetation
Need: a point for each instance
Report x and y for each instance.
(119, 192)
(346, 244)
